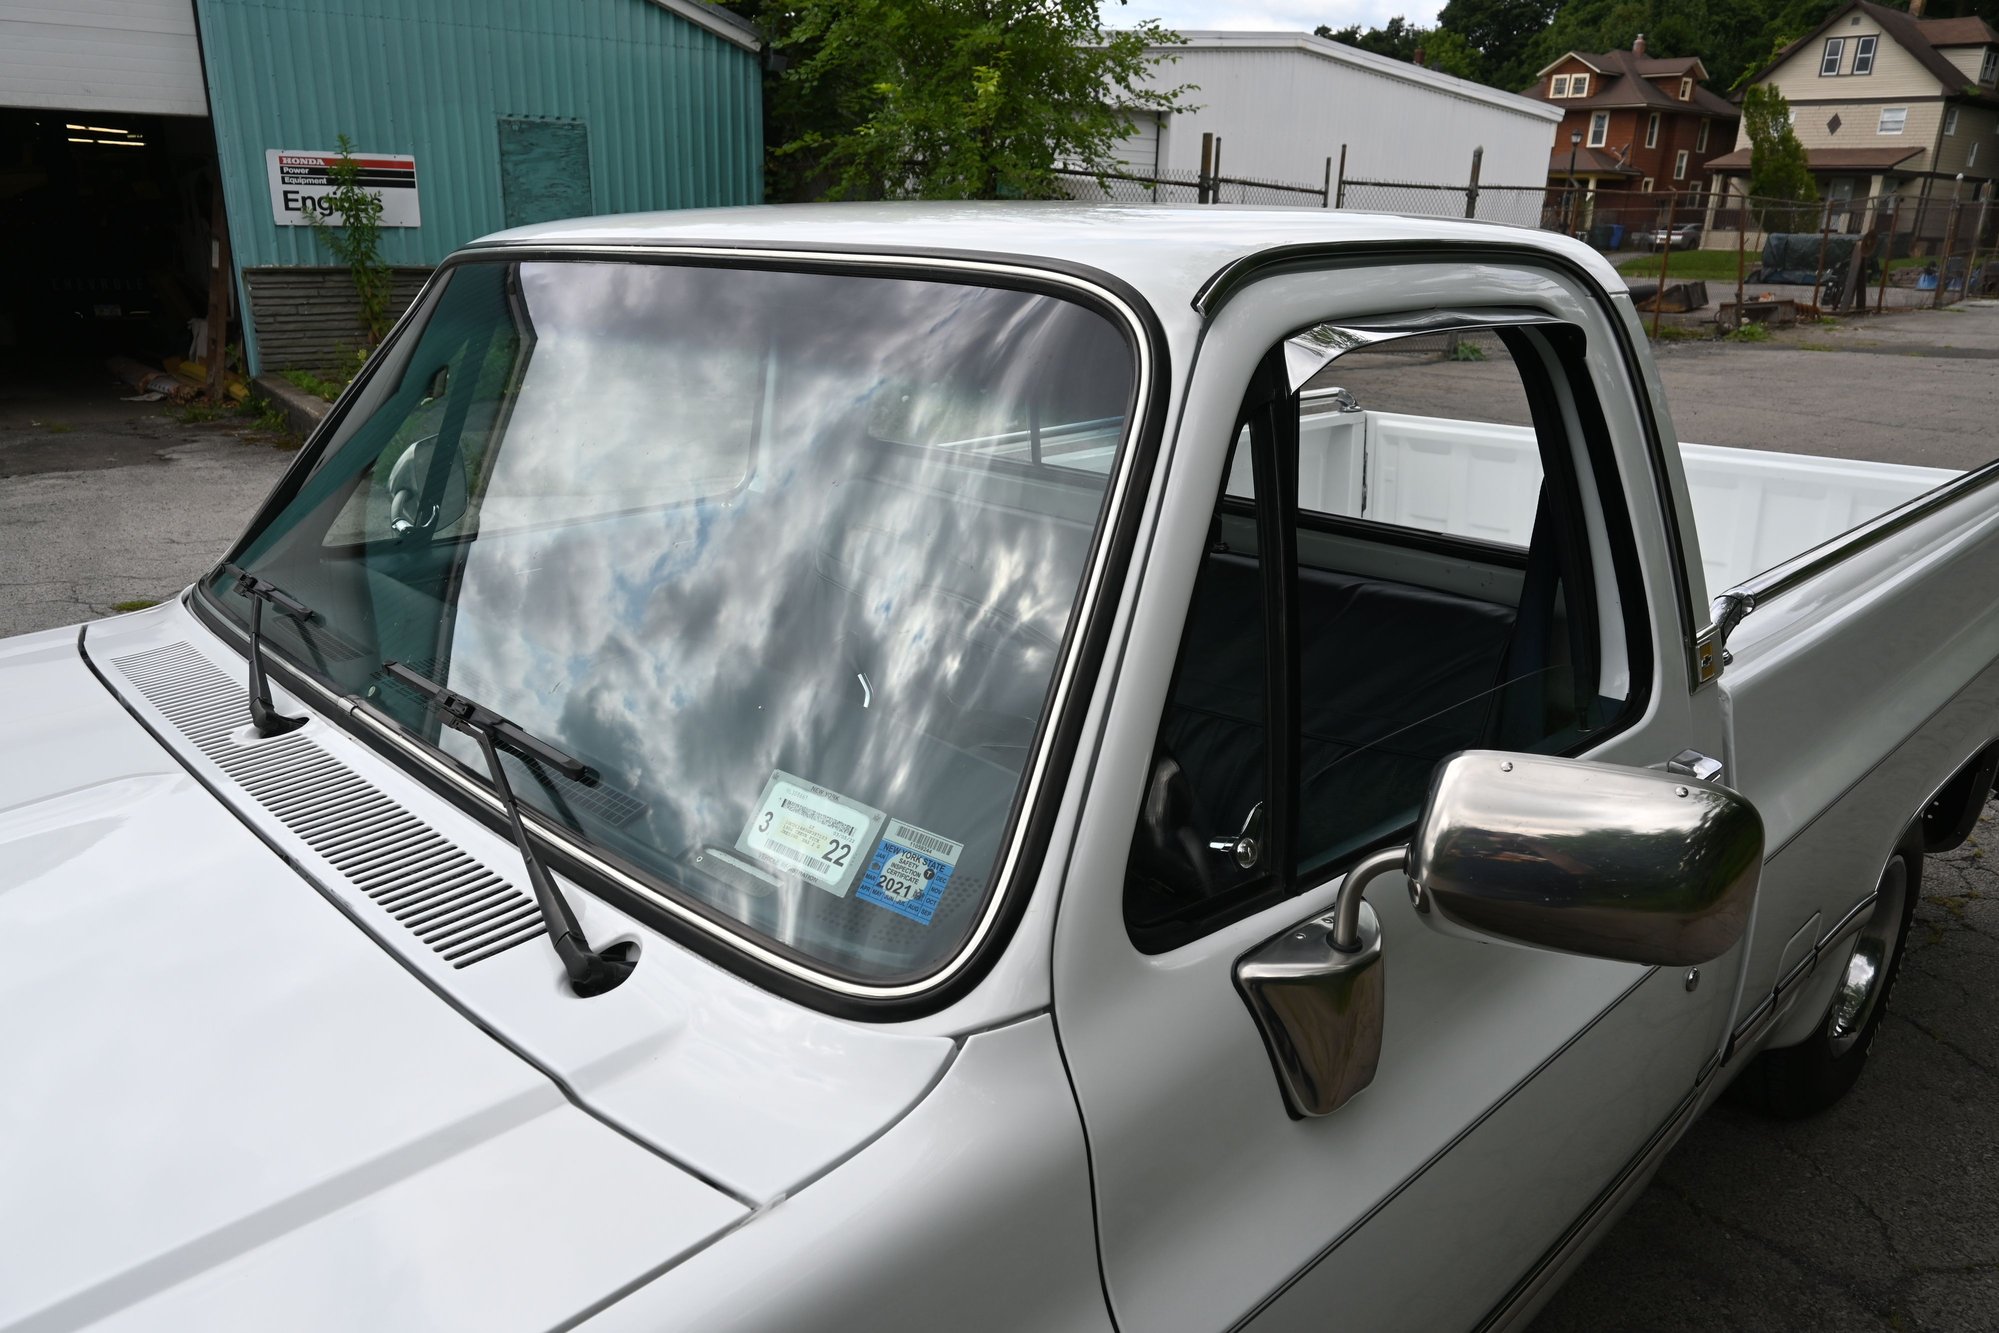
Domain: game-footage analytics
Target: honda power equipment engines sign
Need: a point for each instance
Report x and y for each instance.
(301, 182)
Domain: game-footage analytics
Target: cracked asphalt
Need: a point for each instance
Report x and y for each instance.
(1881, 1214)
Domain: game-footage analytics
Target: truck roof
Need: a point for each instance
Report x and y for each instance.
(1167, 252)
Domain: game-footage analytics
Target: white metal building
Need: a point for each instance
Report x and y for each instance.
(1283, 103)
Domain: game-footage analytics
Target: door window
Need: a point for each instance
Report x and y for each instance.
(1410, 557)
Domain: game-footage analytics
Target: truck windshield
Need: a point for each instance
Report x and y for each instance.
(787, 559)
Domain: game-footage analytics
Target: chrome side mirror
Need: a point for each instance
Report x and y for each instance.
(1562, 854)
(1625, 863)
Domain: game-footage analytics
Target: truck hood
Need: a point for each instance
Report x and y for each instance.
(221, 1100)
(224, 1095)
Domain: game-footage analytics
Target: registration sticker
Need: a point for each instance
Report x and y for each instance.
(803, 829)
(909, 871)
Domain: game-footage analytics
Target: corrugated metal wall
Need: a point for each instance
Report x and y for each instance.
(674, 111)
(1282, 111)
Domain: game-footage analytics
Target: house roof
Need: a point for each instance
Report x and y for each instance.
(1828, 159)
(1589, 162)
(1968, 31)
(1625, 80)
(1916, 36)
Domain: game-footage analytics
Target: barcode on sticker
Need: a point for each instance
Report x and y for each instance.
(913, 837)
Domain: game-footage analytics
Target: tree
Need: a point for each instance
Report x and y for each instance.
(1398, 39)
(1780, 182)
(950, 99)
(1503, 34)
(356, 240)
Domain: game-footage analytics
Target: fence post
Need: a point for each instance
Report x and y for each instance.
(1818, 274)
(1894, 216)
(1340, 190)
(1855, 295)
(1326, 191)
(1666, 262)
(1977, 235)
(1215, 182)
(1949, 240)
(1207, 164)
(1741, 240)
(1471, 190)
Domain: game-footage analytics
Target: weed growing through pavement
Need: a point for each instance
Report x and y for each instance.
(136, 604)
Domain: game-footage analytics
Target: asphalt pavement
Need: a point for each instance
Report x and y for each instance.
(1881, 1214)
(104, 501)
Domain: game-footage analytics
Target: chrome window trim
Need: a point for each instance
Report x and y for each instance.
(1089, 599)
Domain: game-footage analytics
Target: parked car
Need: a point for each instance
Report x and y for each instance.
(1680, 236)
(879, 767)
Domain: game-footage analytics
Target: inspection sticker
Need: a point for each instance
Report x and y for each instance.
(804, 829)
(909, 871)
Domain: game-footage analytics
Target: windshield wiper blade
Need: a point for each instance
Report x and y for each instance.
(264, 716)
(590, 973)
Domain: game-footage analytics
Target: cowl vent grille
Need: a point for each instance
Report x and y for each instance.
(463, 911)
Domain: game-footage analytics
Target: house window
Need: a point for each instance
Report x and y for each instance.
(1646, 185)
(1893, 118)
(1971, 158)
(1863, 55)
(1686, 89)
(1950, 121)
(1680, 165)
(1700, 144)
(1559, 86)
(1599, 126)
(1652, 131)
(1829, 62)
(1990, 69)
(1579, 85)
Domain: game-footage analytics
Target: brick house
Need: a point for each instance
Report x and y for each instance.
(1633, 124)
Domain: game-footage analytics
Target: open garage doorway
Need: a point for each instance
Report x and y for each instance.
(106, 220)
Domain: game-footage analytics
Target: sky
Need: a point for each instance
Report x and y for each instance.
(1269, 15)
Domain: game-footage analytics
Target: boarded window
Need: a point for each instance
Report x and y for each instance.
(544, 170)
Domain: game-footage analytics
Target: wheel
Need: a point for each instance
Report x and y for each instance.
(1805, 1079)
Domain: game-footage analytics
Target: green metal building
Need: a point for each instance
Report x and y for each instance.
(471, 115)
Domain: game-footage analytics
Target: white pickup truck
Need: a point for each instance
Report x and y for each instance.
(912, 768)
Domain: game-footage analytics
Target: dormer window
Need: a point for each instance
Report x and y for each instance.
(1863, 55)
(1835, 47)
(1559, 87)
(1686, 90)
(1990, 69)
(1579, 85)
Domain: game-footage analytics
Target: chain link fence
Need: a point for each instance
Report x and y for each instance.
(1185, 187)
(1841, 254)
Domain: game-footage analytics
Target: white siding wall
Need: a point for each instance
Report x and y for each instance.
(1282, 111)
(136, 56)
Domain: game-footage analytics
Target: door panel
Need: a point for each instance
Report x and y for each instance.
(1513, 1083)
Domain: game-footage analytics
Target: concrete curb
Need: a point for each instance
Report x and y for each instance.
(303, 410)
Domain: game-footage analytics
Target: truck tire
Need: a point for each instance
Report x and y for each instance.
(1801, 1080)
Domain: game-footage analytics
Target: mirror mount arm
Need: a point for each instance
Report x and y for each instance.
(1346, 933)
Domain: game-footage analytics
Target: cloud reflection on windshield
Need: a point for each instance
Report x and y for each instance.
(698, 557)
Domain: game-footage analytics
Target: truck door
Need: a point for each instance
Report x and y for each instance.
(1490, 572)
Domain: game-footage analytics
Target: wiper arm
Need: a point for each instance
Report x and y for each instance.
(590, 973)
(264, 716)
